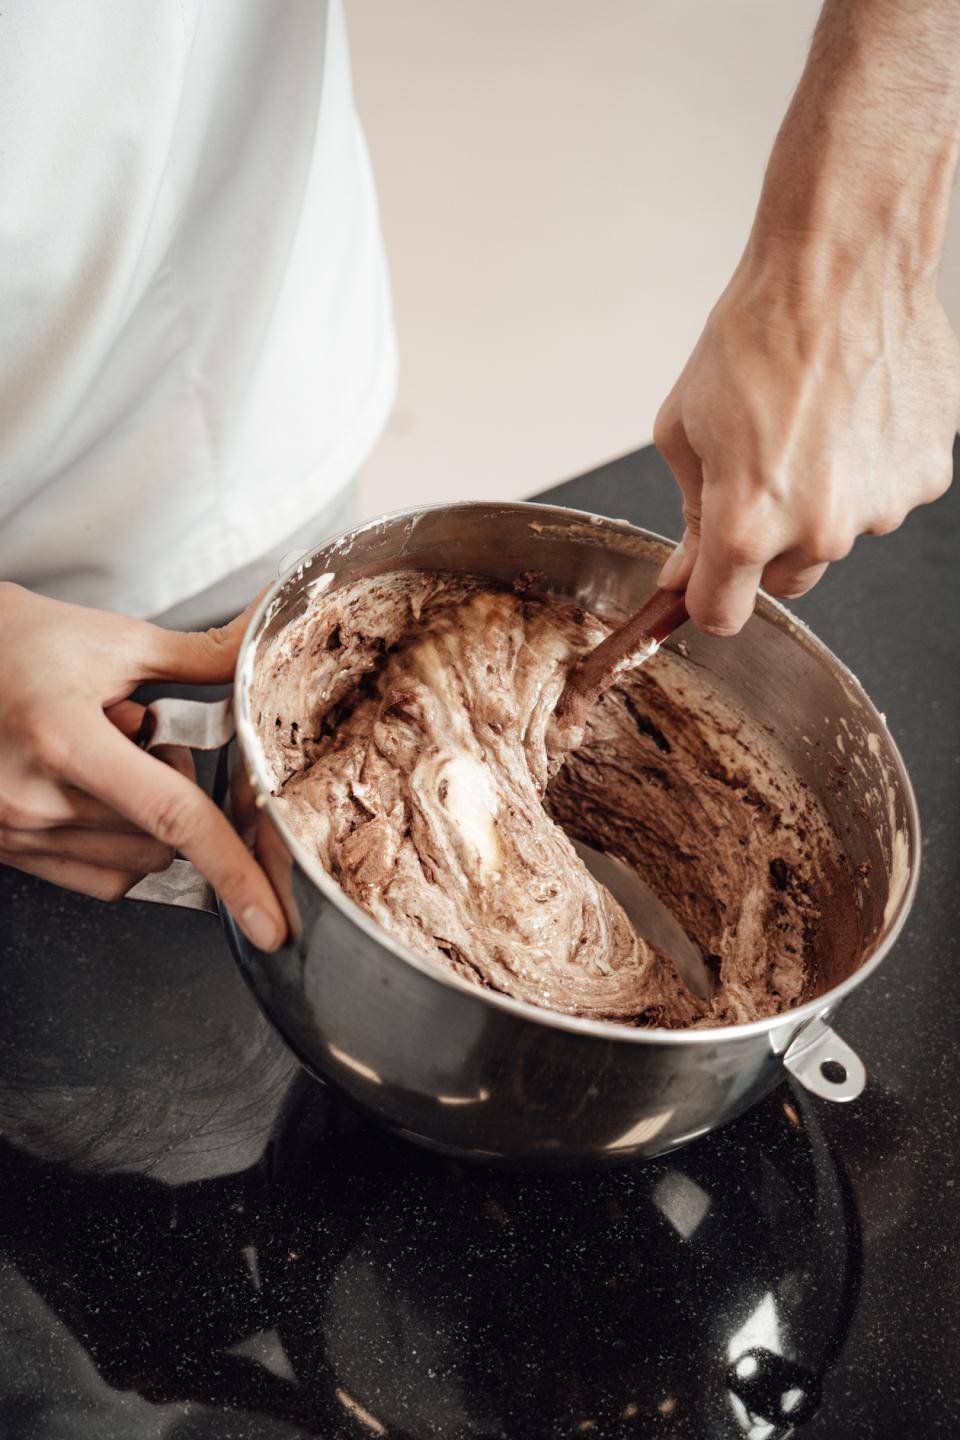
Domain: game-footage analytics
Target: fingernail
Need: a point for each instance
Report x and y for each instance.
(257, 925)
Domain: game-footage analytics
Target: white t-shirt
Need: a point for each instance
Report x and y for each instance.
(196, 346)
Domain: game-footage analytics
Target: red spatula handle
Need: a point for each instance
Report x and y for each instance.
(657, 618)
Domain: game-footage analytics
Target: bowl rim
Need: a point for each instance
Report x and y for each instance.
(767, 609)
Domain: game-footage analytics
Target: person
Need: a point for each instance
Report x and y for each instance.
(199, 353)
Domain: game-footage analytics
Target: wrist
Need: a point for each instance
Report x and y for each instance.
(805, 289)
(840, 215)
(862, 171)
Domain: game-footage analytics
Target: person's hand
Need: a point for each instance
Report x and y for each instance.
(822, 400)
(811, 411)
(80, 804)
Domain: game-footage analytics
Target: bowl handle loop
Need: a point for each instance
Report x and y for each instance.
(203, 725)
(824, 1064)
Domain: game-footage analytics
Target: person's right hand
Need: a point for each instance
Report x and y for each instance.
(805, 417)
(80, 804)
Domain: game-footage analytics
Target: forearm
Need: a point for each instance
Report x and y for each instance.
(822, 399)
(862, 169)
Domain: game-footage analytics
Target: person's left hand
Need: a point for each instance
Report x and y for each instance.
(80, 804)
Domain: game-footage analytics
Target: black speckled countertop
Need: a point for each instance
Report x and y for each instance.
(200, 1244)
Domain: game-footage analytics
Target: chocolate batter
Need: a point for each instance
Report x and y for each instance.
(409, 721)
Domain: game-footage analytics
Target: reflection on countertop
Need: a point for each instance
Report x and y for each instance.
(200, 1241)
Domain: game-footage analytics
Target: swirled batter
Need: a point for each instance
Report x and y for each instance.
(409, 723)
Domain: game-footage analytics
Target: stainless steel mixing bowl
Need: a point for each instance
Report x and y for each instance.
(479, 1075)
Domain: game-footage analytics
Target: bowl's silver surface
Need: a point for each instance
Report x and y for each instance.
(478, 1074)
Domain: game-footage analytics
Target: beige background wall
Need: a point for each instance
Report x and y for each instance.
(565, 188)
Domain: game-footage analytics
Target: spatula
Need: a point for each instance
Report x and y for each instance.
(629, 645)
(649, 916)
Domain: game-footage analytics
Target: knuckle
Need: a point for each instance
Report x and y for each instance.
(827, 544)
(174, 820)
(41, 742)
(744, 550)
(940, 481)
(233, 885)
(217, 641)
(692, 512)
(51, 748)
(28, 721)
(889, 519)
(667, 427)
(740, 555)
(662, 432)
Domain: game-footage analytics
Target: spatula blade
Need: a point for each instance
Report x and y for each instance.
(649, 916)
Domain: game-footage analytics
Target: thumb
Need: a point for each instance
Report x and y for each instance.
(671, 439)
(677, 570)
(197, 657)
